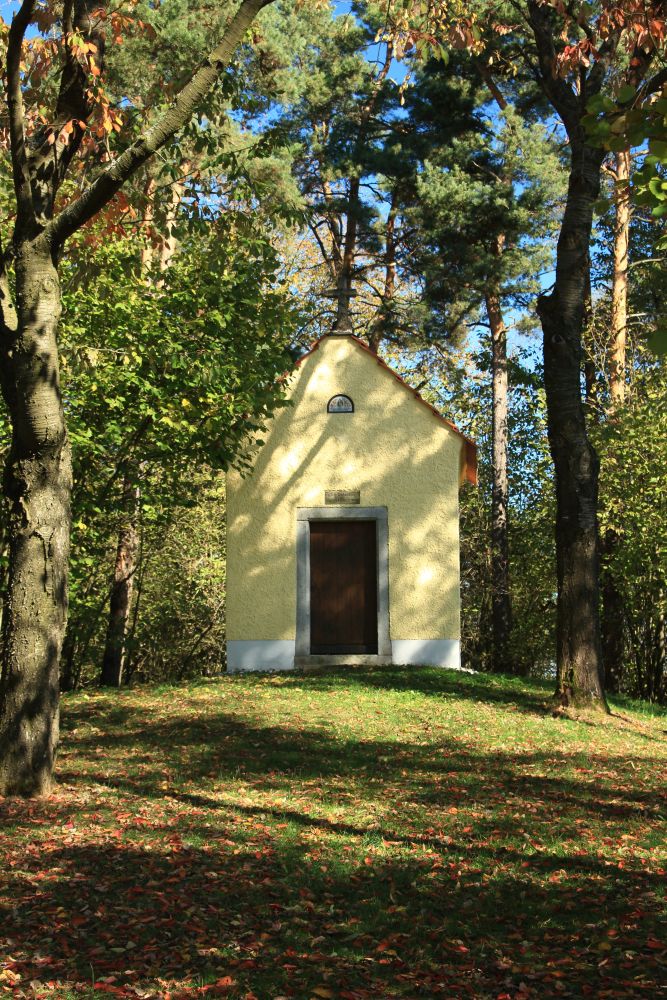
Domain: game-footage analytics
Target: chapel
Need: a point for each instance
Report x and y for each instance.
(343, 541)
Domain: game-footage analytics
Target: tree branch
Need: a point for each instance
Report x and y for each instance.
(656, 83)
(110, 181)
(558, 91)
(20, 167)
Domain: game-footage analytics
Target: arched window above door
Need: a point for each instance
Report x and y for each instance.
(340, 404)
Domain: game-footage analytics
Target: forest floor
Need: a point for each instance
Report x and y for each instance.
(362, 834)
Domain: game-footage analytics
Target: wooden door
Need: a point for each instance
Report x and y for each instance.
(343, 587)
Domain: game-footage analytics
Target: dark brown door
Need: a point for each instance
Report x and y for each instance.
(343, 587)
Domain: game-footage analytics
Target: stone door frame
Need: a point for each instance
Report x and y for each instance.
(304, 517)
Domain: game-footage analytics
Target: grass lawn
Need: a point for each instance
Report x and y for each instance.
(361, 834)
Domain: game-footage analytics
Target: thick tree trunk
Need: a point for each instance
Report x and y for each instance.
(576, 465)
(501, 609)
(121, 590)
(37, 485)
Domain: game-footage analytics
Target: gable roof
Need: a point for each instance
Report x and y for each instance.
(469, 451)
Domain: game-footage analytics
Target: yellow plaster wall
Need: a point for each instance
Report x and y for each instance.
(392, 449)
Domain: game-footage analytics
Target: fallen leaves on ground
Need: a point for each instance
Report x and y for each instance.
(374, 834)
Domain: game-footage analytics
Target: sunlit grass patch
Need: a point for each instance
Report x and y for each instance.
(361, 834)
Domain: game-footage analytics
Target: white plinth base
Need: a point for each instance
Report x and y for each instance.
(278, 654)
(427, 652)
(260, 654)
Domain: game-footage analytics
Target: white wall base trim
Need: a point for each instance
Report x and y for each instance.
(278, 654)
(427, 652)
(260, 654)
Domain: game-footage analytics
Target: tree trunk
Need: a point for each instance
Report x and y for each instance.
(382, 321)
(613, 649)
(576, 464)
(173, 202)
(613, 646)
(501, 610)
(121, 590)
(38, 474)
(68, 680)
(37, 485)
(619, 291)
(345, 290)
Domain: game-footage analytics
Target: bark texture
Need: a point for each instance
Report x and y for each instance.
(562, 313)
(37, 485)
(576, 464)
(501, 609)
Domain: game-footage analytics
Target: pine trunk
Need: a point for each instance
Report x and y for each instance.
(619, 291)
(576, 464)
(120, 598)
(613, 648)
(37, 488)
(501, 610)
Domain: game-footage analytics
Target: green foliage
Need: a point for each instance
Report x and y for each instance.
(165, 381)
(187, 367)
(633, 450)
(177, 628)
(487, 199)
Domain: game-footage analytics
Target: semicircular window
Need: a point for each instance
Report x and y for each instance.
(340, 404)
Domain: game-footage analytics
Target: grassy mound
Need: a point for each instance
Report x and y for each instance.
(351, 834)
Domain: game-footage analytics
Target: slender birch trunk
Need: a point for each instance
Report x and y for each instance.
(120, 597)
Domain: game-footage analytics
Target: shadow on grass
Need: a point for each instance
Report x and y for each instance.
(434, 681)
(278, 921)
(210, 752)
(204, 845)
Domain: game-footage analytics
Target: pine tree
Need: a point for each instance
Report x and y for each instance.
(484, 210)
